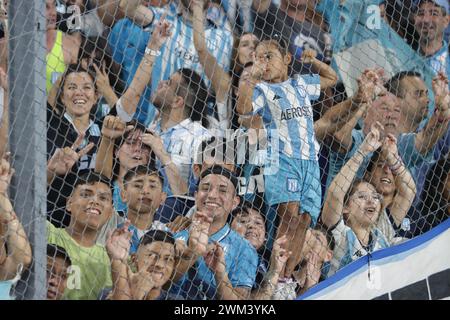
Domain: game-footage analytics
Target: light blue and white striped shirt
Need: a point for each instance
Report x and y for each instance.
(348, 248)
(128, 42)
(288, 116)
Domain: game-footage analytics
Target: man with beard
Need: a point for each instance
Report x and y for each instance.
(181, 124)
(384, 111)
(430, 21)
(127, 40)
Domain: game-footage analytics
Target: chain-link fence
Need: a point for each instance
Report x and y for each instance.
(223, 149)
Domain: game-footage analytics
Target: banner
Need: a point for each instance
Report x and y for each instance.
(418, 269)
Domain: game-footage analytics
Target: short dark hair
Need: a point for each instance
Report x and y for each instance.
(195, 93)
(278, 40)
(393, 85)
(120, 140)
(219, 170)
(142, 170)
(157, 235)
(56, 251)
(420, 2)
(91, 177)
(245, 207)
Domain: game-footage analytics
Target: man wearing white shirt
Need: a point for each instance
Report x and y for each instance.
(181, 102)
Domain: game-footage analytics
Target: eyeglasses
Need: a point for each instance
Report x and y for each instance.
(376, 197)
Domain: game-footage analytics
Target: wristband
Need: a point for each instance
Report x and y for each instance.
(152, 53)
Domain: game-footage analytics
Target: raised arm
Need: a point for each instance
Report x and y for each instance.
(12, 234)
(112, 129)
(118, 247)
(334, 202)
(278, 261)
(261, 6)
(247, 86)
(220, 80)
(110, 12)
(338, 115)
(132, 95)
(437, 126)
(404, 182)
(215, 260)
(328, 77)
(196, 247)
(176, 182)
(4, 124)
(64, 159)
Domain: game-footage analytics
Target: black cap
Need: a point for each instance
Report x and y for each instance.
(217, 169)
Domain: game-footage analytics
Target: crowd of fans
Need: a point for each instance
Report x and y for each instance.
(223, 149)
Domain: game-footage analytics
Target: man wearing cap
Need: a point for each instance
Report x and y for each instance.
(220, 263)
(430, 21)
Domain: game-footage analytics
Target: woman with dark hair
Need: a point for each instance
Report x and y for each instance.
(388, 174)
(96, 55)
(73, 132)
(352, 208)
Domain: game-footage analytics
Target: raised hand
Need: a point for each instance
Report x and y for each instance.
(279, 254)
(102, 79)
(373, 139)
(154, 141)
(64, 159)
(370, 84)
(442, 96)
(389, 149)
(199, 233)
(118, 243)
(258, 68)
(114, 128)
(215, 260)
(179, 224)
(308, 56)
(6, 173)
(161, 33)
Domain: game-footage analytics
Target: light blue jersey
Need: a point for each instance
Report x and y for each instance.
(440, 61)
(287, 115)
(241, 262)
(128, 42)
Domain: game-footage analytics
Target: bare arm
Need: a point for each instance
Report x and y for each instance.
(15, 238)
(110, 12)
(118, 247)
(438, 124)
(328, 77)
(261, 6)
(112, 129)
(4, 129)
(176, 182)
(277, 263)
(121, 283)
(406, 188)
(342, 139)
(334, 202)
(140, 80)
(220, 80)
(335, 118)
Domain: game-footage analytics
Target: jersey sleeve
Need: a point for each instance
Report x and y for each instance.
(258, 101)
(312, 82)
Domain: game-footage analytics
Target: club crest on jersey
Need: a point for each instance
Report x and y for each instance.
(292, 185)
